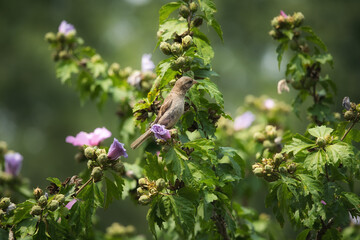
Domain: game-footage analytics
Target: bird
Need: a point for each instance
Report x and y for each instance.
(171, 109)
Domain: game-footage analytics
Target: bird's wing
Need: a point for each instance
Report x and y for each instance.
(164, 107)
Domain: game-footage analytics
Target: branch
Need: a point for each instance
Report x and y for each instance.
(83, 186)
(349, 129)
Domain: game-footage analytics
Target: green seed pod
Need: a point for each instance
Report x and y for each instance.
(119, 167)
(140, 191)
(100, 151)
(176, 48)
(259, 137)
(358, 107)
(60, 198)
(180, 61)
(96, 58)
(53, 205)
(143, 181)
(349, 115)
(60, 37)
(283, 170)
(187, 41)
(291, 168)
(102, 159)
(197, 22)
(2, 213)
(278, 158)
(97, 174)
(36, 210)
(3, 147)
(64, 55)
(144, 199)
(193, 7)
(165, 48)
(258, 171)
(184, 11)
(298, 18)
(89, 153)
(42, 201)
(271, 131)
(50, 37)
(91, 164)
(37, 193)
(321, 142)
(160, 184)
(268, 144)
(269, 168)
(4, 203)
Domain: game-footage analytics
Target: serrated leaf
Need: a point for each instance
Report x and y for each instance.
(111, 192)
(205, 50)
(41, 232)
(280, 51)
(315, 162)
(171, 26)
(209, 9)
(212, 89)
(320, 131)
(310, 185)
(65, 69)
(338, 151)
(303, 234)
(166, 10)
(353, 199)
(210, 197)
(298, 144)
(184, 213)
(22, 211)
(153, 169)
(54, 180)
(152, 217)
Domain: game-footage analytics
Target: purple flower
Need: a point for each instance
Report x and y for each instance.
(346, 103)
(323, 202)
(116, 150)
(71, 203)
(160, 132)
(135, 78)
(282, 13)
(269, 104)
(146, 64)
(13, 163)
(91, 139)
(66, 28)
(244, 121)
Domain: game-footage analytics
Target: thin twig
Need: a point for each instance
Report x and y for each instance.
(83, 186)
(352, 125)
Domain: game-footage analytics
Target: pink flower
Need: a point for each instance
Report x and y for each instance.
(269, 104)
(244, 121)
(323, 202)
(282, 13)
(116, 150)
(71, 203)
(91, 139)
(13, 162)
(146, 64)
(66, 28)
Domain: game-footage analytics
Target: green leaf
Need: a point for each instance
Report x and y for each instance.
(153, 216)
(22, 211)
(353, 199)
(212, 89)
(184, 213)
(54, 180)
(154, 169)
(41, 232)
(303, 234)
(65, 69)
(166, 10)
(210, 197)
(324, 58)
(298, 144)
(209, 9)
(310, 185)
(320, 131)
(175, 160)
(315, 162)
(27, 227)
(205, 50)
(171, 26)
(280, 51)
(338, 151)
(111, 192)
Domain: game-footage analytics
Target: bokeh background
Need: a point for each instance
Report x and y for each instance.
(37, 112)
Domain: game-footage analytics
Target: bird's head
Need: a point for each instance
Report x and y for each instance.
(184, 83)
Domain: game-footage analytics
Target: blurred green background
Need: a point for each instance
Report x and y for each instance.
(37, 112)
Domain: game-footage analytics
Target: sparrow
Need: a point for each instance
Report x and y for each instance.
(171, 110)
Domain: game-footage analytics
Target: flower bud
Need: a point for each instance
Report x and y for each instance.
(143, 181)
(35, 210)
(197, 22)
(320, 141)
(269, 168)
(97, 174)
(114, 69)
(60, 37)
(91, 164)
(259, 137)
(291, 168)
(358, 107)
(100, 151)
(42, 201)
(70, 36)
(53, 205)
(60, 198)
(64, 55)
(270, 131)
(140, 191)
(102, 158)
(278, 158)
(180, 62)
(160, 184)
(193, 7)
(283, 170)
(298, 18)
(2, 213)
(184, 11)
(176, 48)
(119, 167)
(4, 203)
(3, 147)
(50, 37)
(258, 171)
(144, 200)
(89, 153)
(268, 144)
(37, 193)
(96, 58)
(165, 48)
(187, 41)
(349, 115)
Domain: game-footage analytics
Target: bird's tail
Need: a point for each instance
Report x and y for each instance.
(141, 139)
